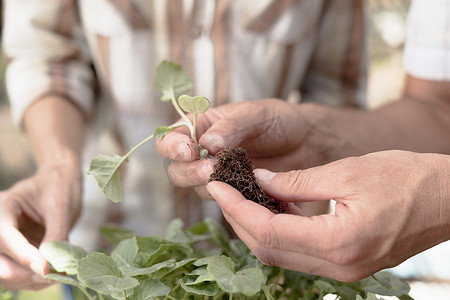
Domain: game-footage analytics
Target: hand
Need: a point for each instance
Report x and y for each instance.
(389, 206)
(272, 131)
(40, 209)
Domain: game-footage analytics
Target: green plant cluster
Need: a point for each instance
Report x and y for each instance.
(200, 262)
(174, 84)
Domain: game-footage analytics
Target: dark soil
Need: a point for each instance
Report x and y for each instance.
(235, 168)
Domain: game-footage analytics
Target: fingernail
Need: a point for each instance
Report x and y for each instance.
(37, 268)
(206, 169)
(210, 189)
(184, 150)
(263, 174)
(39, 279)
(212, 139)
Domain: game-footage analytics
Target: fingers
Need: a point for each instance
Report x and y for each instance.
(312, 245)
(201, 191)
(307, 236)
(315, 184)
(178, 145)
(13, 276)
(193, 173)
(217, 129)
(15, 245)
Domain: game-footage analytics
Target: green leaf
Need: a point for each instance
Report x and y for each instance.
(346, 292)
(385, 284)
(202, 274)
(101, 273)
(119, 295)
(246, 281)
(218, 234)
(175, 232)
(325, 287)
(205, 289)
(171, 81)
(133, 271)
(178, 265)
(115, 234)
(161, 131)
(153, 246)
(194, 105)
(62, 256)
(369, 296)
(106, 171)
(149, 288)
(125, 253)
(63, 279)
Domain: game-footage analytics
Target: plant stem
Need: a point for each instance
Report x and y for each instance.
(183, 115)
(86, 293)
(138, 145)
(175, 125)
(230, 297)
(124, 295)
(194, 128)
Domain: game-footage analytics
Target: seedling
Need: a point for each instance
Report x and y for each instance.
(174, 84)
(180, 266)
(200, 262)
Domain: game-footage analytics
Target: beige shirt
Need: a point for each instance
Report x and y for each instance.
(101, 54)
(427, 49)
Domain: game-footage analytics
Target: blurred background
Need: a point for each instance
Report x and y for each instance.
(386, 41)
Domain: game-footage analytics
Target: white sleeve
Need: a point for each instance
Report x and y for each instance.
(427, 48)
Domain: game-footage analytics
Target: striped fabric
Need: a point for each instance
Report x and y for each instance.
(101, 54)
(427, 49)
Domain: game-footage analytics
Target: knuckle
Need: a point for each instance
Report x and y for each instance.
(347, 254)
(264, 238)
(344, 257)
(296, 180)
(264, 256)
(350, 275)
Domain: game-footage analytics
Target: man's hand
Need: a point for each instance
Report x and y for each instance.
(389, 206)
(40, 209)
(271, 131)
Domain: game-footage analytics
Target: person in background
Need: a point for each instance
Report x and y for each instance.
(388, 169)
(79, 80)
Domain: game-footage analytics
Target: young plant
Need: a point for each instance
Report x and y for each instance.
(200, 262)
(174, 84)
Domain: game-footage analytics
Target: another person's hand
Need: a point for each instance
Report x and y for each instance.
(273, 132)
(40, 209)
(390, 206)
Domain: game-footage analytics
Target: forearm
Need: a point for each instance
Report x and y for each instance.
(408, 124)
(56, 128)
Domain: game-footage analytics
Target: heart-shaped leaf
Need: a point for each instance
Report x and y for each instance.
(63, 256)
(171, 81)
(194, 105)
(246, 281)
(101, 273)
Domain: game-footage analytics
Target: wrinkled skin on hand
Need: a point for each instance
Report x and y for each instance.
(39, 209)
(390, 206)
(272, 131)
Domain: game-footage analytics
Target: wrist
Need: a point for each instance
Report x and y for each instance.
(330, 134)
(60, 157)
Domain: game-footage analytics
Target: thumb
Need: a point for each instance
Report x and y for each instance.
(315, 184)
(233, 129)
(55, 230)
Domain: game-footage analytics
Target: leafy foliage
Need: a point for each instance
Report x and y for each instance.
(200, 262)
(174, 84)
